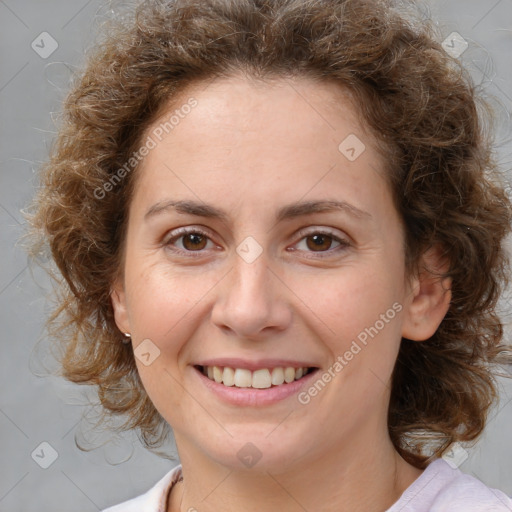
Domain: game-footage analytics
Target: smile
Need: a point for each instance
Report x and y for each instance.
(262, 378)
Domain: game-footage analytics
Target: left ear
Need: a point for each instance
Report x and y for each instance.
(431, 296)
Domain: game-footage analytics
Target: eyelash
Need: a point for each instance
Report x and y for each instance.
(344, 244)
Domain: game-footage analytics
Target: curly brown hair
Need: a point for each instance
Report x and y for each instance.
(423, 108)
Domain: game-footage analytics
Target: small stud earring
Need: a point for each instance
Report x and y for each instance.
(128, 337)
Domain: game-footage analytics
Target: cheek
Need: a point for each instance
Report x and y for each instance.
(166, 305)
(357, 315)
(163, 309)
(157, 297)
(348, 300)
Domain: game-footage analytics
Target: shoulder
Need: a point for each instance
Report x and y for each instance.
(442, 488)
(466, 493)
(153, 500)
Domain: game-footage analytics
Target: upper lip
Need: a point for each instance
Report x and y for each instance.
(232, 362)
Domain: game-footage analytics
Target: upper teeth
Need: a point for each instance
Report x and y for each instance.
(261, 379)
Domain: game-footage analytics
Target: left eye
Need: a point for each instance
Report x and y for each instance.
(320, 242)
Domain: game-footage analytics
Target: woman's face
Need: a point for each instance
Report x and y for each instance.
(257, 270)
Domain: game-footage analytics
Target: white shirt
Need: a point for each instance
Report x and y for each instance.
(440, 488)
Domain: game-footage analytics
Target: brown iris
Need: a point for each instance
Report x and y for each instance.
(194, 241)
(319, 242)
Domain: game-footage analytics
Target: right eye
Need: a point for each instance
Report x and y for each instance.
(192, 240)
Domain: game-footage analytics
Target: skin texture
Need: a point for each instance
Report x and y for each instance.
(250, 148)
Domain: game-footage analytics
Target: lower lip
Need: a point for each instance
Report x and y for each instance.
(251, 396)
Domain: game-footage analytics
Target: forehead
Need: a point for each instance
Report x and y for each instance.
(279, 138)
(241, 104)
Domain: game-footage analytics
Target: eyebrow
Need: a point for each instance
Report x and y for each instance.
(287, 212)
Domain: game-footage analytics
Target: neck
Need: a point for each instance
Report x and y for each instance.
(344, 479)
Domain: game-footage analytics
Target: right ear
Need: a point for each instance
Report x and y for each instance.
(118, 299)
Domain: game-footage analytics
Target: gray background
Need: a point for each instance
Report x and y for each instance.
(36, 407)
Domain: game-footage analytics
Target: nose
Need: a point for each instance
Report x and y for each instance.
(252, 300)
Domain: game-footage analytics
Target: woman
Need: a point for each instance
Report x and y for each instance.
(290, 212)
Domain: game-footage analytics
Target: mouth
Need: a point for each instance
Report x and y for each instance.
(262, 378)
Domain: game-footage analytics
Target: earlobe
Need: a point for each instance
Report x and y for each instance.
(430, 298)
(118, 300)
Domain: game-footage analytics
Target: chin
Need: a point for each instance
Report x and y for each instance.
(270, 452)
